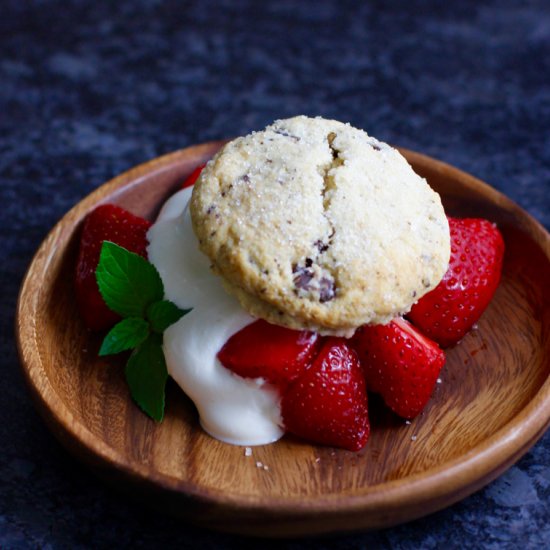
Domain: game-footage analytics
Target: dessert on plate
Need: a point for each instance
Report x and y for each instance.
(282, 274)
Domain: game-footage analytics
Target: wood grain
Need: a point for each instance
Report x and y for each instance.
(493, 402)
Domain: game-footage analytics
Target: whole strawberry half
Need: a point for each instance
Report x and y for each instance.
(448, 312)
(327, 404)
(400, 364)
(263, 350)
(193, 176)
(107, 222)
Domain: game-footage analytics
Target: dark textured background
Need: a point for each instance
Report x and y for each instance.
(90, 89)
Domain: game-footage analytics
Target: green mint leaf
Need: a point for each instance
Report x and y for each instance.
(146, 375)
(164, 313)
(127, 282)
(127, 334)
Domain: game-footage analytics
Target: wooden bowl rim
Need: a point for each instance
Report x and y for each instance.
(466, 473)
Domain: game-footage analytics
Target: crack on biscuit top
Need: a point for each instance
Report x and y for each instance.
(314, 277)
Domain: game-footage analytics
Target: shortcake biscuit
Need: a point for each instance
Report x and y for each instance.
(314, 224)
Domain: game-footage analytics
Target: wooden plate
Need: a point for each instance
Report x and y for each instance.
(492, 405)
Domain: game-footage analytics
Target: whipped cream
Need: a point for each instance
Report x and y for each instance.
(231, 408)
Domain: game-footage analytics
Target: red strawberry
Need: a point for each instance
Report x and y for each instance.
(327, 404)
(193, 176)
(112, 223)
(400, 364)
(268, 351)
(448, 312)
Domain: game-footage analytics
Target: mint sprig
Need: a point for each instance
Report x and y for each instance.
(128, 283)
(162, 314)
(146, 375)
(127, 334)
(133, 288)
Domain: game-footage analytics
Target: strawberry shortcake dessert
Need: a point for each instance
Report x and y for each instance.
(303, 267)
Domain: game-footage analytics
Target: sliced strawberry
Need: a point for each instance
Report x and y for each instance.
(327, 404)
(107, 222)
(193, 176)
(448, 312)
(400, 364)
(262, 350)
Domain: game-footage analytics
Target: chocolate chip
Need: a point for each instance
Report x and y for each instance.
(321, 246)
(309, 262)
(326, 290)
(286, 134)
(302, 277)
(211, 209)
(375, 147)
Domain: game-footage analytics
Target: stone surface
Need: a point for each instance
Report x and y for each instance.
(90, 89)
